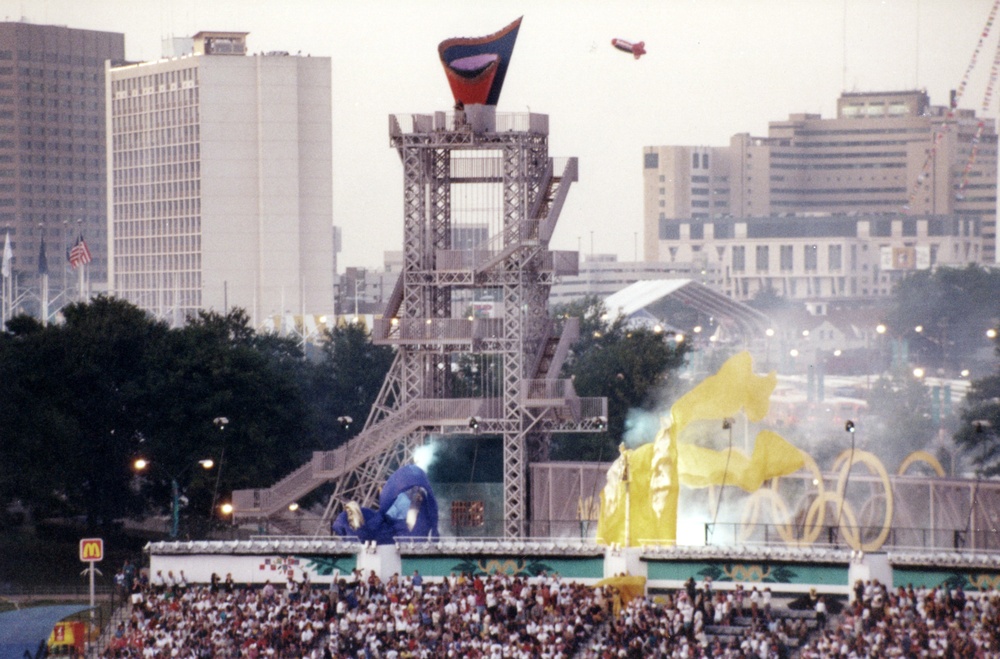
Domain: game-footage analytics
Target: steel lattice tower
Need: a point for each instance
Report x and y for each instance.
(486, 175)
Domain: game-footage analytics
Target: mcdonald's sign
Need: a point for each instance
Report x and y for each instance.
(91, 550)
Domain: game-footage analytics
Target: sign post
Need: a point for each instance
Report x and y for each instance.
(91, 551)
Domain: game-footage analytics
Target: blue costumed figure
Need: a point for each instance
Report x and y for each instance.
(407, 509)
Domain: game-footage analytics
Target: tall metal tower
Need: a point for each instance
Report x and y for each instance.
(477, 352)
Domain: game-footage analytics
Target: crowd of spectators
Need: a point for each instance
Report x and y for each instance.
(500, 617)
(908, 622)
(698, 621)
(462, 616)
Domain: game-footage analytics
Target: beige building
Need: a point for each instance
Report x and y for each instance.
(221, 181)
(889, 153)
(820, 258)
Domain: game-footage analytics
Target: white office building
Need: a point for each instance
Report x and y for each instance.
(220, 182)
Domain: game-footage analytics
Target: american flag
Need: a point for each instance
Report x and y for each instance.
(79, 254)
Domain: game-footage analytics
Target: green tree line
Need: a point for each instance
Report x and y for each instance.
(80, 401)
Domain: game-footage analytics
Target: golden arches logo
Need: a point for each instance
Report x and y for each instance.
(91, 550)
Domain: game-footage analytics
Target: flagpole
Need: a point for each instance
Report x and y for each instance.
(45, 299)
(81, 297)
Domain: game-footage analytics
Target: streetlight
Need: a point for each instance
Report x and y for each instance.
(849, 428)
(220, 422)
(141, 464)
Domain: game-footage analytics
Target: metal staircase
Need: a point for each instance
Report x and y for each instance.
(504, 161)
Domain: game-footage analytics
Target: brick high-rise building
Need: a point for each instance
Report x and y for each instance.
(52, 149)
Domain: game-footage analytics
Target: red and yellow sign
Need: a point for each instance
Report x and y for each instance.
(69, 633)
(91, 550)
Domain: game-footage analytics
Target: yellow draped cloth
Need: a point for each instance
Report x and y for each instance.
(646, 481)
(625, 589)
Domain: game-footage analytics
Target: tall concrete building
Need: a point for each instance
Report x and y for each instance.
(221, 181)
(887, 153)
(52, 148)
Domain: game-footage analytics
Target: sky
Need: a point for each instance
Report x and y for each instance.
(714, 68)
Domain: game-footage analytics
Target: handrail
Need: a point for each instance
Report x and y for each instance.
(548, 224)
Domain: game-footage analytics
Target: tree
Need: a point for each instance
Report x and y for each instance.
(945, 313)
(979, 434)
(630, 366)
(73, 401)
(217, 367)
(351, 378)
(80, 401)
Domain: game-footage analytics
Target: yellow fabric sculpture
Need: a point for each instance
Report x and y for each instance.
(646, 481)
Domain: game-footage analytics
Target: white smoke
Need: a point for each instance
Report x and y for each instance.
(641, 427)
(424, 456)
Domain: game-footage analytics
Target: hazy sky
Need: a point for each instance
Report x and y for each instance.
(713, 68)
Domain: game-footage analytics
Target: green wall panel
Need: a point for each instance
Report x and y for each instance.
(568, 568)
(972, 580)
(792, 573)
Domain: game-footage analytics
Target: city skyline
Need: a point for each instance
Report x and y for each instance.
(712, 69)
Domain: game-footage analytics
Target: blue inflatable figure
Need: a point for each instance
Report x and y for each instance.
(407, 509)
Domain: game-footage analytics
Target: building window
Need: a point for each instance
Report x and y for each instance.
(467, 514)
(762, 258)
(811, 261)
(881, 228)
(739, 258)
(787, 258)
(909, 228)
(704, 161)
(834, 258)
(651, 160)
(670, 231)
(697, 231)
